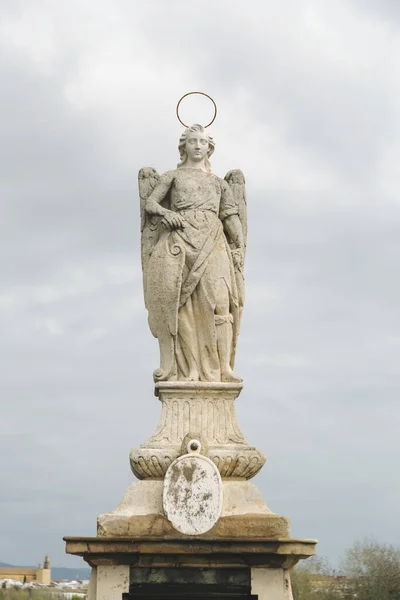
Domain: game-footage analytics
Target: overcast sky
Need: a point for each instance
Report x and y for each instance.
(308, 100)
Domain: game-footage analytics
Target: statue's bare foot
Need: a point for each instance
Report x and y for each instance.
(229, 375)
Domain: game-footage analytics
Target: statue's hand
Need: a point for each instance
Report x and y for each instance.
(238, 258)
(172, 220)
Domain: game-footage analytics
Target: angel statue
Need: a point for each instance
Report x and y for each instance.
(194, 233)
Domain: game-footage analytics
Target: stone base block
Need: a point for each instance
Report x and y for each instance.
(250, 525)
(177, 552)
(126, 582)
(205, 411)
(235, 561)
(244, 514)
(271, 584)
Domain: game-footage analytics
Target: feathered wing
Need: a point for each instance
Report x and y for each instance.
(162, 264)
(236, 182)
(150, 224)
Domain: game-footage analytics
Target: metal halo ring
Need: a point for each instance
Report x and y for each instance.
(201, 94)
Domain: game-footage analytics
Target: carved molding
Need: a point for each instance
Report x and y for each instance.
(236, 461)
(204, 409)
(213, 417)
(149, 463)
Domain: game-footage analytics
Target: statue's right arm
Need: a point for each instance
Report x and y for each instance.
(153, 206)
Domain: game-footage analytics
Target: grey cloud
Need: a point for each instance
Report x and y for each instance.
(323, 101)
(388, 10)
(322, 291)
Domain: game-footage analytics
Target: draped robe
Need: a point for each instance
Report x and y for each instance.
(191, 276)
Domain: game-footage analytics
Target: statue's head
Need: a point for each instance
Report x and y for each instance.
(196, 144)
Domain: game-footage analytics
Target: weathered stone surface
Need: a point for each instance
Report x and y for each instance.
(250, 525)
(192, 493)
(244, 513)
(181, 582)
(145, 498)
(166, 551)
(141, 498)
(271, 584)
(194, 235)
(241, 497)
(207, 412)
(92, 587)
(112, 582)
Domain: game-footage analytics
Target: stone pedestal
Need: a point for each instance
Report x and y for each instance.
(138, 554)
(193, 525)
(165, 567)
(204, 411)
(244, 514)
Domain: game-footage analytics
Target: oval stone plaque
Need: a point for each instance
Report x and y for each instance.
(192, 494)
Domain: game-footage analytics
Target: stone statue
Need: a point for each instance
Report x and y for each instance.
(194, 234)
(193, 511)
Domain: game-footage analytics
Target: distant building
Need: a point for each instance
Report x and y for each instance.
(41, 575)
(335, 583)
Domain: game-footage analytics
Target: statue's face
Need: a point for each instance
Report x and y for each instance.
(197, 145)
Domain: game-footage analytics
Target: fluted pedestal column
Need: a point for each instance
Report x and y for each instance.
(205, 411)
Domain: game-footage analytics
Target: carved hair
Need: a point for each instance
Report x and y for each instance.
(182, 144)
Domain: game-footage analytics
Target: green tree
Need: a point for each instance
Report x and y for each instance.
(373, 570)
(18, 594)
(306, 581)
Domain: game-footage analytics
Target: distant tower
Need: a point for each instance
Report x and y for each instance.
(43, 573)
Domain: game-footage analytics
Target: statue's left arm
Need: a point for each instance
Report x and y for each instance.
(229, 216)
(233, 228)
